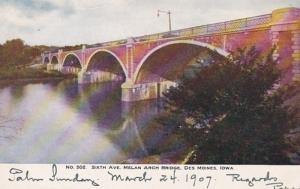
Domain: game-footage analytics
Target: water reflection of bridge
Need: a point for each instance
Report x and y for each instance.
(127, 124)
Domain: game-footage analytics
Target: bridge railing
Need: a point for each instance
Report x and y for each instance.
(228, 26)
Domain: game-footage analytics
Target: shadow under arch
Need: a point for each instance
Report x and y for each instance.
(174, 48)
(54, 60)
(46, 60)
(72, 60)
(106, 60)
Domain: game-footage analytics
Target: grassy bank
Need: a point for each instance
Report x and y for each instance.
(21, 73)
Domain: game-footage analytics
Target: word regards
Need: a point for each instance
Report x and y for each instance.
(267, 180)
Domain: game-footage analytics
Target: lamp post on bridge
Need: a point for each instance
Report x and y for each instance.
(169, 14)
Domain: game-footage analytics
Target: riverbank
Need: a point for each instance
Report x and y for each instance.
(29, 74)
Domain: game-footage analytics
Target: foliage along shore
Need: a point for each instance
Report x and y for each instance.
(17, 60)
(27, 73)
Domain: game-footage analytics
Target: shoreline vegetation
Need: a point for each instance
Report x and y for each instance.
(23, 63)
(30, 74)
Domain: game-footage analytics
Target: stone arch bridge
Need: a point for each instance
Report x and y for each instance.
(150, 64)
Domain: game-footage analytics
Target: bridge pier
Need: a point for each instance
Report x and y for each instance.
(136, 92)
(69, 70)
(63, 69)
(51, 67)
(97, 76)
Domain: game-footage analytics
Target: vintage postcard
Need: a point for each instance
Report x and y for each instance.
(143, 94)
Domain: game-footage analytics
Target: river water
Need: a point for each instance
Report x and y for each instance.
(63, 122)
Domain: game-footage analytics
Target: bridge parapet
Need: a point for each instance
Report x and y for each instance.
(259, 22)
(228, 26)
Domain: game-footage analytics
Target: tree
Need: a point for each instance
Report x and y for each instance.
(229, 111)
(15, 53)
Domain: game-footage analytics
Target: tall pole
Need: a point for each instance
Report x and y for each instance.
(169, 14)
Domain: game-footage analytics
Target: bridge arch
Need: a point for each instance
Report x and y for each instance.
(54, 60)
(170, 43)
(46, 60)
(72, 60)
(103, 56)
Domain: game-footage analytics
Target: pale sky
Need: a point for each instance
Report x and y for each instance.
(70, 22)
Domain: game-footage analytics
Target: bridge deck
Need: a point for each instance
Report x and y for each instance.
(220, 27)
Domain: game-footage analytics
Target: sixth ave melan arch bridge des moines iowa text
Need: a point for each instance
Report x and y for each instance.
(149, 64)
